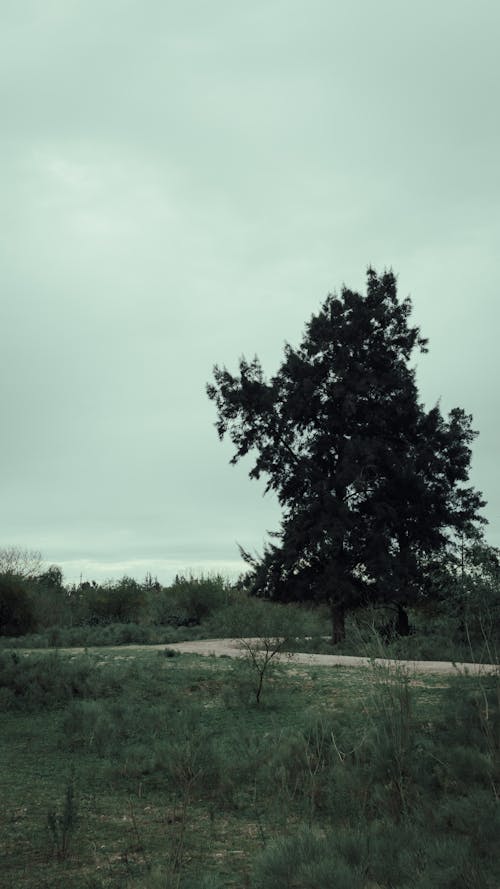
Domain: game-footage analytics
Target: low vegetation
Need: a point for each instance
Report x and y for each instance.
(135, 769)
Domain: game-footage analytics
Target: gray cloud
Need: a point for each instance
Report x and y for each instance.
(182, 184)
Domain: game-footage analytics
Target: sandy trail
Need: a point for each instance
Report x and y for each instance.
(236, 648)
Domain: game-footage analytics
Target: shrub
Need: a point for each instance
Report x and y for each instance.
(304, 861)
(89, 725)
(98, 635)
(42, 682)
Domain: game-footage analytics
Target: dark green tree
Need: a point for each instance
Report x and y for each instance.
(52, 578)
(123, 601)
(17, 615)
(370, 483)
(51, 600)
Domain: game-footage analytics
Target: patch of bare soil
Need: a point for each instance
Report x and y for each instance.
(235, 648)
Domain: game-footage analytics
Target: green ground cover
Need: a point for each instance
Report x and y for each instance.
(141, 770)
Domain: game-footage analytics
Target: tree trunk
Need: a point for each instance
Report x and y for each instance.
(402, 622)
(338, 622)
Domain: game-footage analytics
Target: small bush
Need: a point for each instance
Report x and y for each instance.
(90, 726)
(305, 861)
(32, 683)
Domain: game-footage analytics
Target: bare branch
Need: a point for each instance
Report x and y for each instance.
(25, 563)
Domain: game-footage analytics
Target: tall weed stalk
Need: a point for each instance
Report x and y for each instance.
(62, 825)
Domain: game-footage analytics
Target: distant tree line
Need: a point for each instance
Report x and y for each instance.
(33, 600)
(458, 618)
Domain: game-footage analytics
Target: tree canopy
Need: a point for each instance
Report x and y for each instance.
(371, 484)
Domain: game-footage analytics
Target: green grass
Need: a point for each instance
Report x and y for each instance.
(356, 777)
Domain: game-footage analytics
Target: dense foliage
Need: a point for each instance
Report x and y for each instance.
(44, 605)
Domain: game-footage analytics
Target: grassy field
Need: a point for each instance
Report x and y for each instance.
(140, 769)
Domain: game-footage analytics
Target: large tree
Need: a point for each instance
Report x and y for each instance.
(371, 484)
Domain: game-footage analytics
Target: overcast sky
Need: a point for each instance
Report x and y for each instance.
(183, 183)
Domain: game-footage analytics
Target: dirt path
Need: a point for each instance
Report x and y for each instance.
(236, 648)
